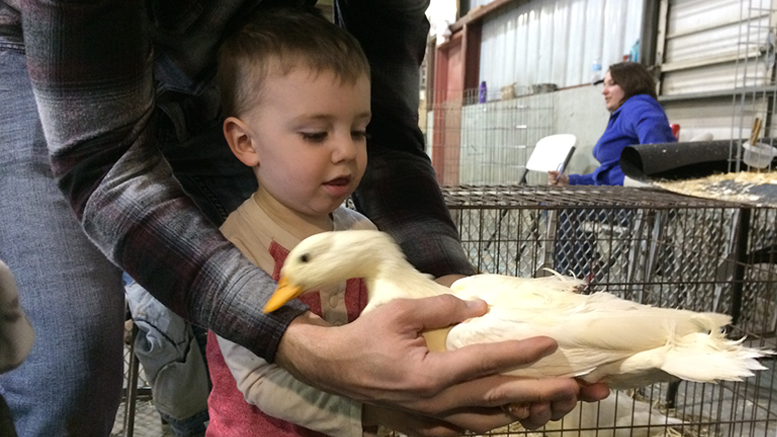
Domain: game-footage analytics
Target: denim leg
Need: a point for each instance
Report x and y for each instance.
(172, 361)
(70, 384)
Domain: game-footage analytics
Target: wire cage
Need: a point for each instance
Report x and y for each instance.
(652, 247)
(486, 137)
(752, 127)
(649, 246)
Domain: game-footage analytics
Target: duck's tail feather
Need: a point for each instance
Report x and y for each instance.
(702, 357)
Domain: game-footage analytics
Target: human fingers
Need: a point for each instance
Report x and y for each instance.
(474, 360)
(553, 178)
(539, 414)
(551, 406)
(533, 402)
(441, 311)
(593, 392)
(421, 426)
(392, 365)
(480, 360)
(479, 420)
(503, 390)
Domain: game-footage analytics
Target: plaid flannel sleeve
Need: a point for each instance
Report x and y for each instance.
(90, 66)
(399, 191)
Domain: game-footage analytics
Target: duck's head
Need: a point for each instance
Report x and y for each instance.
(328, 258)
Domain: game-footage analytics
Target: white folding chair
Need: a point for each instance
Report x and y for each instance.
(551, 153)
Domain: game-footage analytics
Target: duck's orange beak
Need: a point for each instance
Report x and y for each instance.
(283, 293)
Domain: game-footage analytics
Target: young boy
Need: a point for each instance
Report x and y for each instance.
(296, 93)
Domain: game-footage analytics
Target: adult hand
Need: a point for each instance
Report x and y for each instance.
(381, 358)
(531, 414)
(406, 423)
(557, 178)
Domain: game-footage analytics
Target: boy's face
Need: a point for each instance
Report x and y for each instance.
(309, 134)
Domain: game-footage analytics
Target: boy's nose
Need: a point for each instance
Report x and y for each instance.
(345, 149)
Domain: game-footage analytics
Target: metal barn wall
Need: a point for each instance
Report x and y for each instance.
(716, 60)
(556, 41)
(706, 44)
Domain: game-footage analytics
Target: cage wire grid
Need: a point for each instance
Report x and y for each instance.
(649, 246)
(652, 247)
(755, 88)
(487, 140)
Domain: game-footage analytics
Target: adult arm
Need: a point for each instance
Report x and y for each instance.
(90, 65)
(582, 179)
(399, 191)
(652, 126)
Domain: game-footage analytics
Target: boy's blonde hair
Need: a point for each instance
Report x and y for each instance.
(277, 41)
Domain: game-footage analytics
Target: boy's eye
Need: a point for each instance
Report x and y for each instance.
(359, 134)
(313, 136)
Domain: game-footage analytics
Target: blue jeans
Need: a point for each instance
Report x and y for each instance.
(172, 360)
(70, 384)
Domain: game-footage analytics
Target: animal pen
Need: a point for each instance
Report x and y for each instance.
(653, 247)
(646, 245)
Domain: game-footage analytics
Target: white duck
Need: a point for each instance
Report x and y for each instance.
(600, 336)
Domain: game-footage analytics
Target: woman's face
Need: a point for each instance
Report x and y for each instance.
(613, 93)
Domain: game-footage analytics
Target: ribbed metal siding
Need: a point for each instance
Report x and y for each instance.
(556, 41)
(708, 42)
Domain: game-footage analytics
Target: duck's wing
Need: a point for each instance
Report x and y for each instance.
(487, 284)
(598, 335)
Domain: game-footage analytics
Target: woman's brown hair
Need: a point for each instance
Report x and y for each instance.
(633, 79)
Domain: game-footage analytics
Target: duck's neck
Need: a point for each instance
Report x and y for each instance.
(395, 278)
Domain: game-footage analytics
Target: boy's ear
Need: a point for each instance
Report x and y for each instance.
(240, 141)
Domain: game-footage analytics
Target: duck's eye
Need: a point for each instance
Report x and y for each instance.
(304, 257)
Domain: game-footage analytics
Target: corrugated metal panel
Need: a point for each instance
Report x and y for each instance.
(719, 48)
(715, 45)
(556, 41)
(726, 76)
(702, 29)
(721, 117)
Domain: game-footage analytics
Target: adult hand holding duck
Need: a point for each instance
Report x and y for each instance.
(601, 337)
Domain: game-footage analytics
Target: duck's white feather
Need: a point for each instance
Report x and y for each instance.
(617, 416)
(601, 337)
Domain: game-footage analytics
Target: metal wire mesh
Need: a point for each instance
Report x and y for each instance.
(489, 141)
(756, 93)
(649, 246)
(653, 247)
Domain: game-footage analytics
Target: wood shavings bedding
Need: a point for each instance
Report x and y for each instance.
(748, 187)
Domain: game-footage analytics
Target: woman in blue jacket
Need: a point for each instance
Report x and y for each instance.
(636, 118)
